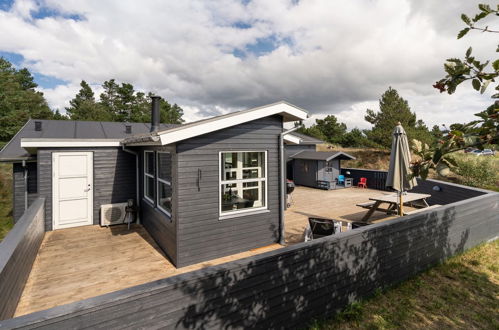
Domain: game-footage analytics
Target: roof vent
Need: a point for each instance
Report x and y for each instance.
(38, 125)
(128, 129)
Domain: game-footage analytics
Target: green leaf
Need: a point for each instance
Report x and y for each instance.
(479, 16)
(466, 19)
(485, 8)
(495, 65)
(476, 84)
(463, 32)
(468, 52)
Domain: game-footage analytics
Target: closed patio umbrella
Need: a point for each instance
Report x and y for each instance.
(400, 159)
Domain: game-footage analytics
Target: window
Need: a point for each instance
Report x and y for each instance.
(164, 180)
(243, 181)
(149, 175)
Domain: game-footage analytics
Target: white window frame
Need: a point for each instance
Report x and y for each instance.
(159, 180)
(146, 175)
(221, 181)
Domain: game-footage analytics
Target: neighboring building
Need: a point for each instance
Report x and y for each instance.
(205, 189)
(294, 143)
(310, 167)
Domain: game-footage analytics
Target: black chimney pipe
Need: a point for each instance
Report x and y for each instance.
(155, 113)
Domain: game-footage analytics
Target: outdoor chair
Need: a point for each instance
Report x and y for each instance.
(341, 179)
(362, 183)
(319, 228)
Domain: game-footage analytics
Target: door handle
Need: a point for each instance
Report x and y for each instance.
(88, 189)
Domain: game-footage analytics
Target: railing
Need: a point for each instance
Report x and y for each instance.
(17, 253)
(288, 287)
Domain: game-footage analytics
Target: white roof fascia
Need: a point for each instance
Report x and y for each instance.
(289, 112)
(43, 143)
(292, 139)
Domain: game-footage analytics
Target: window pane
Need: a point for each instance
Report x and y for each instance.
(149, 187)
(252, 159)
(242, 198)
(243, 165)
(250, 174)
(165, 166)
(165, 196)
(149, 165)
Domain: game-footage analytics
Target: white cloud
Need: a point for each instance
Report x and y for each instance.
(331, 56)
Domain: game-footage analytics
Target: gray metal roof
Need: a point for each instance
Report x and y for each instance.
(306, 139)
(322, 155)
(70, 129)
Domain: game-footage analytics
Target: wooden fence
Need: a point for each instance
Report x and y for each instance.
(17, 253)
(287, 288)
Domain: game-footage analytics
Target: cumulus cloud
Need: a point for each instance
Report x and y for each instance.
(330, 57)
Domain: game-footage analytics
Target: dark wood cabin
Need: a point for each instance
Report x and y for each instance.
(203, 190)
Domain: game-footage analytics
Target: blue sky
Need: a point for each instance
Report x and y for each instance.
(210, 57)
(44, 81)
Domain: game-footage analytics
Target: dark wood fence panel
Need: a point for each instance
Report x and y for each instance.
(17, 253)
(375, 179)
(287, 288)
(441, 192)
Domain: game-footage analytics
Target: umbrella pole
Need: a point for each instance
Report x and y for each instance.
(401, 208)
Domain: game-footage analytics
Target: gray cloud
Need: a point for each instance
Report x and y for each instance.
(328, 57)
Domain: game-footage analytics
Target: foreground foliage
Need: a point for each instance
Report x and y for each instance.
(459, 294)
(477, 133)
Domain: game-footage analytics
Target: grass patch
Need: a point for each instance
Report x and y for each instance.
(461, 293)
(6, 221)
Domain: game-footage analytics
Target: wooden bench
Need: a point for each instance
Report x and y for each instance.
(422, 210)
(366, 205)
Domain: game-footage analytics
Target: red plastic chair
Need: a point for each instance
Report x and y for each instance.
(362, 183)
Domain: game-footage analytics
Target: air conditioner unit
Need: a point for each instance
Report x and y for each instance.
(112, 214)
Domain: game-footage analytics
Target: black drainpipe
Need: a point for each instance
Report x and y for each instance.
(25, 167)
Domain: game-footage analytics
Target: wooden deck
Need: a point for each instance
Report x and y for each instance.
(83, 262)
(330, 204)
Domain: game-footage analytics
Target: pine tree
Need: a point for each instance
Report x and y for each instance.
(393, 109)
(84, 107)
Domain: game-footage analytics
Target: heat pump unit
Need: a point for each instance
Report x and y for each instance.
(112, 214)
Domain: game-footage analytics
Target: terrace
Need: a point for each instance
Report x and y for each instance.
(84, 262)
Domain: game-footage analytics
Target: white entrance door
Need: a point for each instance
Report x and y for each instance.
(72, 189)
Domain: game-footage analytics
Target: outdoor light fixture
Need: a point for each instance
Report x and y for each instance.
(437, 188)
(348, 172)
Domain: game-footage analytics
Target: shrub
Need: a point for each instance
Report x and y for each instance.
(477, 171)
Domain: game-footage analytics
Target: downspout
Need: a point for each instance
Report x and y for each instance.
(283, 183)
(25, 185)
(136, 179)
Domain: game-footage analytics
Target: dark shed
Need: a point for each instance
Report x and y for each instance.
(293, 144)
(310, 168)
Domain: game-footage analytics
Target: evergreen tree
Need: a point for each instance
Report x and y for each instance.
(394, 109)
(19, 100)
(84, 107)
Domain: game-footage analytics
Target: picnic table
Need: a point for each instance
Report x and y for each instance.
(393, 203)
